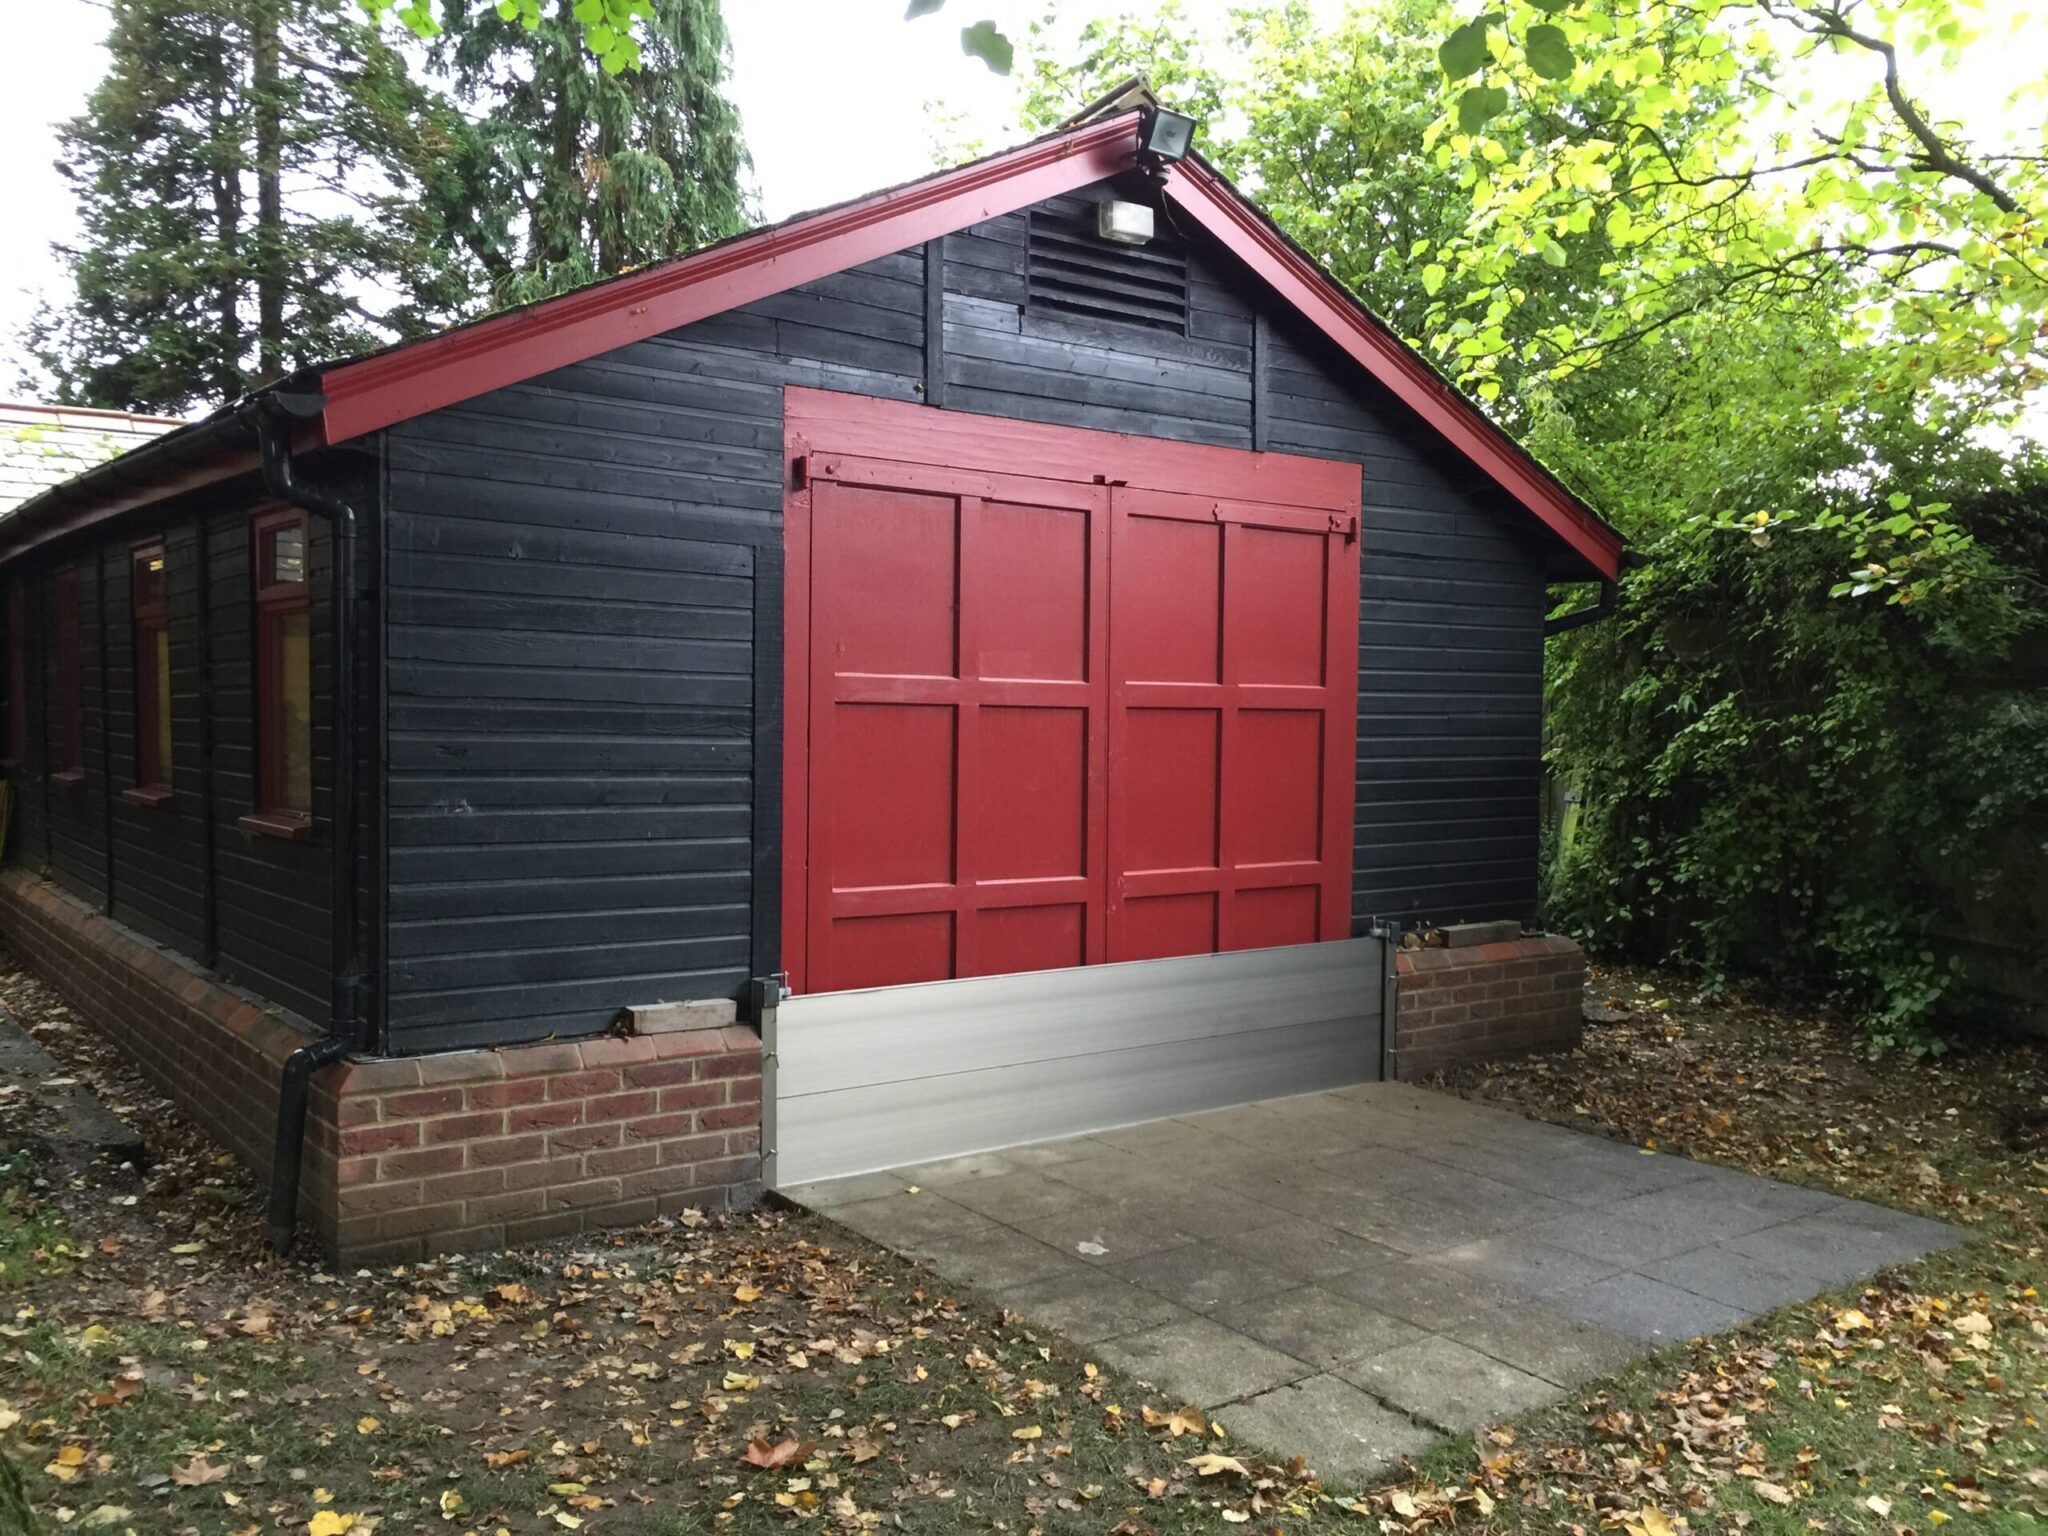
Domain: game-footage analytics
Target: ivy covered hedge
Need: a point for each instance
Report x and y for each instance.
(1833, 794)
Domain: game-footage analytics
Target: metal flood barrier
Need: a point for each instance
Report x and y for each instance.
(893, 1076)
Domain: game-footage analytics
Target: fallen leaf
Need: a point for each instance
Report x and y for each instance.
(786, 1453)
(197, 1472)
(1772, 1491)
(329, 1523)
(1028, 1432)
(1219, 1466)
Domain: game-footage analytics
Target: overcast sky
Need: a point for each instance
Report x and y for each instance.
(835, 96)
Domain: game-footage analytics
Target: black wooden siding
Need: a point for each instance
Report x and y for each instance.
(266, 924)
(585, 636)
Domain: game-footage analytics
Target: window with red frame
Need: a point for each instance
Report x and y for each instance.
(17, 675)
(284, 670)
(69, 753)
(152, 673)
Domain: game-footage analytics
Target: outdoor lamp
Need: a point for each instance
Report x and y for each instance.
(1165, 136)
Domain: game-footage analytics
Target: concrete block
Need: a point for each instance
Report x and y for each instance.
(669, 1018)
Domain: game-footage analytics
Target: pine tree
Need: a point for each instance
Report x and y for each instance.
(247, 174)
(572, 171)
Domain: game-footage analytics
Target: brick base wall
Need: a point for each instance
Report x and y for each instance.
(429, 1154)
(1507, 999)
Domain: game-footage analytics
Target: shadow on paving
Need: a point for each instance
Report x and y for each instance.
(1353, 1276)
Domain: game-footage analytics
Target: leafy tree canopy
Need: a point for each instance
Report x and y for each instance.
(1780, 338)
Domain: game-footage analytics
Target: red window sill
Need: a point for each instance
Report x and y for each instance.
(68, 778)
(289, 825)
(147, 794)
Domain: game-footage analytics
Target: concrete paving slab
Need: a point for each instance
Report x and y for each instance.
(1214, 1213)
(1526, 1266)
(1201, 1361)
(1105, 1233)
(830, 1194)
(1091, 1307)
(1626, 1241)
(1473, 1259)
(1309, 1249)
(1713, 1211)
(904, 1221)
(1825, 1254)
(1341, 1432)
(993, 1257)
(1016, 1195)
(955, 1170)
(1202, 1276)
(1449, 1384)
(1650, 1310)
(1421, 1291)
(1733, 1279)
(1560, 1349)
(1316, 1326)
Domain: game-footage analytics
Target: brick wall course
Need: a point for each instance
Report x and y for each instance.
(432, 1154)
(1485, 1001)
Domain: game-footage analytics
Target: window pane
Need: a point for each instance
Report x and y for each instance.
(295, 713)
(162, 646)
(287, 553)
(149, 579)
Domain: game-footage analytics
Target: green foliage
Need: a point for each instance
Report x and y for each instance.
(242, 173)
(564, 169)
(1808, 715)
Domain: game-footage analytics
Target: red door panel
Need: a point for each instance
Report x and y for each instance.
(956, 732)
(1233, 709)
(1051, 719)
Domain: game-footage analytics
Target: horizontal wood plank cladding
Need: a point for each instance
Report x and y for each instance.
(1450, 680)
(585, 625)
(269, 929)
(576, 606)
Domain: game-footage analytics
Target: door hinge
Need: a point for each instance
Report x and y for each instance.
(1345, 523)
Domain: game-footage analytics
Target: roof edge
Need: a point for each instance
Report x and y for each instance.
(1204, 193)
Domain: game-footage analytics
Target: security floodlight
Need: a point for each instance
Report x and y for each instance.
(1165, 136)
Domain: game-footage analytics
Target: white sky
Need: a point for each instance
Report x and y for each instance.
(835, 96)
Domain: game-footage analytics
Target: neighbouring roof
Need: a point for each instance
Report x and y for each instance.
(361, 395)
(46, 445)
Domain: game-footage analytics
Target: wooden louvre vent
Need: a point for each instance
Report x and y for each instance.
(1074, 271)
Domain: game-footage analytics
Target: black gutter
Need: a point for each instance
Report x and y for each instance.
(1602, 607)
(44, 516)
(273, 417)
(1592, 613)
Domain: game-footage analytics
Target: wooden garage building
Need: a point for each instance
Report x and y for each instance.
(1018, 663)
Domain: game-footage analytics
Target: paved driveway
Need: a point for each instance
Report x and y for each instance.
(1351, 1275)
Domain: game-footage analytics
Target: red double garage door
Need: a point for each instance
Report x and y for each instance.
(1059, 698)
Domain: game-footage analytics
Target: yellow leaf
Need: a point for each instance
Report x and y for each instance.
(739, 1381)
(368, 1424)
(747, 1293)
(1652, 1521)
(1772, 1492)
(564, 1518)
(1219, 1466)
(451, 1503)
(1028, 1432)
(1851, 1320)
(1975, 1323)
(328, 1523)
(740, 1349)
(1936, 1517)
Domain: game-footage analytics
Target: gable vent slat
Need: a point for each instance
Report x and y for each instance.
(1072, 270)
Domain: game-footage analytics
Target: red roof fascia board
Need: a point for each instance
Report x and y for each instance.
(410, 381)
(1223, 212)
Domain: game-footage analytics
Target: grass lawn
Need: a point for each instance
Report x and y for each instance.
(160, 1373)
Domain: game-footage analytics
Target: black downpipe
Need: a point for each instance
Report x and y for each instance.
(273, 418)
